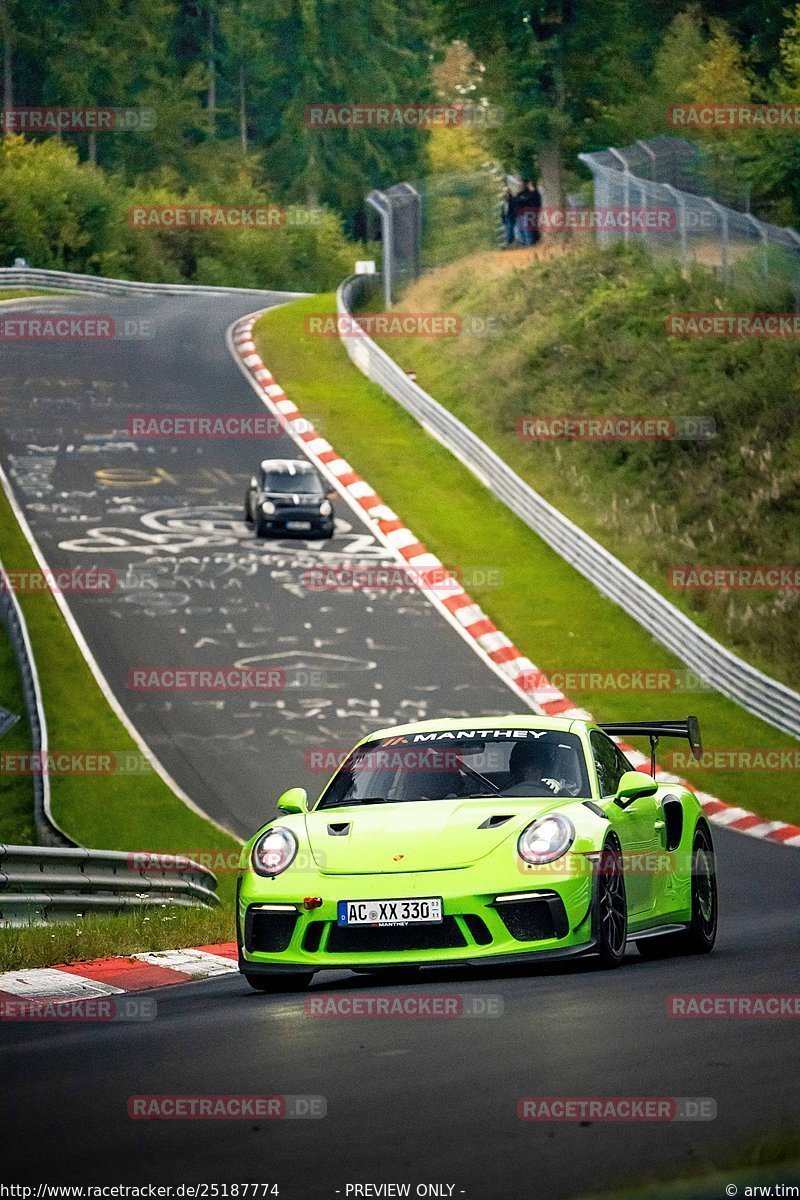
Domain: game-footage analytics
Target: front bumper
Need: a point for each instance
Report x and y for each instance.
(277, 933)
(282, 518)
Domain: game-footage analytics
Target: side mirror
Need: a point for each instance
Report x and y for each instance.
(333, 495)
(253, 482)
(633, 785)
(293, 801)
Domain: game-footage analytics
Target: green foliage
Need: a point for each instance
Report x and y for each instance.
(66, 215)
(230, 80)
(585, 334)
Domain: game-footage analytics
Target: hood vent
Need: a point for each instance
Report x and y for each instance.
(495, 822)
(340, 830)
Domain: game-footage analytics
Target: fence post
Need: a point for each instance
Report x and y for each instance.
(681, 199)
(723, 216)
(627, 185)
(377, 200)
(761, 230)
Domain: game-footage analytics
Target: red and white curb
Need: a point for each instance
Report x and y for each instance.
(450, 597)
(112, 976)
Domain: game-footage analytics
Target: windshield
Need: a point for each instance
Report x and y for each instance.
(462, 764)
(307, 483)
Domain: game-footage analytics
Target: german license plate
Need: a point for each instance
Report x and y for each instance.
(425, 911)
(298, 524)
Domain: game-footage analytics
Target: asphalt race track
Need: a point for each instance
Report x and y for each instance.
(194, 586)
(408, 1100)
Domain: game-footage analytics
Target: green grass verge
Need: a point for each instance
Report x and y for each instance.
(16, 793)
(584, 334)
(102, 937)
(22, 293)
(555, 616)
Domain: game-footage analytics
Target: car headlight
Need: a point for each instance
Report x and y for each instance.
(268, 507)
(546, 839)
(325, 509)
(274, 851)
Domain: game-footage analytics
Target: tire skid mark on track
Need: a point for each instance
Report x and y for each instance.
(493, 645)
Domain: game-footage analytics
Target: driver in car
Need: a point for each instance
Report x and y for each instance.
(534, 766)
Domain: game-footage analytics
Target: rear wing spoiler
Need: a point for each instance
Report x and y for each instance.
(655, 730)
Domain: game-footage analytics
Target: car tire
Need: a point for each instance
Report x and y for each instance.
(261, 529)
(248, 516)
(295, 982)
(611, 907)
(701, 932)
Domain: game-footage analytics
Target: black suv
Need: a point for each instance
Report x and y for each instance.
(289, 496)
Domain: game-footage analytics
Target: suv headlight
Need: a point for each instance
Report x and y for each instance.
(325, 509)
(274, 851)
(268, 507)
(546, 839)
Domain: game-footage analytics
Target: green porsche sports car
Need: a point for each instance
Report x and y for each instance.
(498, 839)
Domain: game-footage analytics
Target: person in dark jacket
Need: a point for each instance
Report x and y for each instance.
(529, 207)
(509, 216)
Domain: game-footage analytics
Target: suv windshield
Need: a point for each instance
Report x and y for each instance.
(461, 765)
(306, 483)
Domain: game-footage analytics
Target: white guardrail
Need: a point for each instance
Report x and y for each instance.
(756, 692)
(40, 884)
(41, 277)
(48, 832)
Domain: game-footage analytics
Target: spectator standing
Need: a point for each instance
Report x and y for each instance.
(509, 216)
(529, 207)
